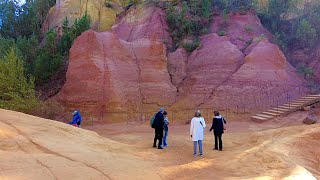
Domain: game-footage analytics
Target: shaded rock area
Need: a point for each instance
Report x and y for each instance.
(312, 117)
(177, 66)
(241, 29)
(315, 63)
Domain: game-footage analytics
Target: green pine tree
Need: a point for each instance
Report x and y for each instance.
(16, 91)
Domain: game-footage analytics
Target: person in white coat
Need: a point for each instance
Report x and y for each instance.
(197, 132)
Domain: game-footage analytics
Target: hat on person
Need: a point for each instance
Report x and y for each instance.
(74, 113)
(162, 109)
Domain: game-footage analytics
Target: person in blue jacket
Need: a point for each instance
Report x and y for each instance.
(76, 119)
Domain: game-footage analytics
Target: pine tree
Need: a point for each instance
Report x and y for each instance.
(16, 91)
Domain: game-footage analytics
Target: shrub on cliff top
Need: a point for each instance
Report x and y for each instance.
(188, 19)
(191, 46)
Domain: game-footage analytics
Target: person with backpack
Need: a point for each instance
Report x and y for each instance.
(218, 129)
(158, 124)
(76, 119)
(197, 132)
(166, 129)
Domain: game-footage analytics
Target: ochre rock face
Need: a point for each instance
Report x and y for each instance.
(107, 75)
(142, 22)
(208, 67)
(127, 73)
(102, 18)
(265, 74)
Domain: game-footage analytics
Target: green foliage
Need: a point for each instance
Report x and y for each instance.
(241, 6)
(249, 42)
(5, 45)
(48, 60)
(23, 20)
(279, 40)
(288, 29)
(129, 2)
(80, 25)
(191, 46)
(248, 28)
(261, 37)
(66, 39)
(69, 34)
(206, 8)
(306, 33)
(222, 33)
(191, 20)
(28, 47)
(16, 91)
(305, 70)
(108, 3)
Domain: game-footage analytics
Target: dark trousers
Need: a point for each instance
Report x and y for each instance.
(158, 134)
(216, 137)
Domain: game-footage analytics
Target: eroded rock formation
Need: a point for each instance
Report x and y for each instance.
(108, 76)
(127, 73)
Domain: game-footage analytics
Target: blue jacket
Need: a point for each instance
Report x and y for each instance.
(77, 118)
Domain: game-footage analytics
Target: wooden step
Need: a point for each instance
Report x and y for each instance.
(285, 107)
(265, 116)
(274, 111)
(293, 105)
(300, 101)
(316, 95)
(283, 110)
(310, 98)
(254, 118)
(297, 104)
(269, 113)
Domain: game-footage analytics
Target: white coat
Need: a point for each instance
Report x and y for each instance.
(196, 129)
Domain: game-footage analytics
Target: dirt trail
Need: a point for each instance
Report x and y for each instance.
(271, 150)
(35, 148)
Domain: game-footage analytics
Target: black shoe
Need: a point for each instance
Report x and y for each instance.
(160, 147)
(154, 146)
(220, 149)
(215, 149)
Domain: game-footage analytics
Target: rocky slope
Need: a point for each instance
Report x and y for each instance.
(35, 148)
(129, 69)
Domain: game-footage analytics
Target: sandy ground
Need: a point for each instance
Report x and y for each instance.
(35, 148)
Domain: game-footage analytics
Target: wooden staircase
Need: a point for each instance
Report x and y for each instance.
(286, 108)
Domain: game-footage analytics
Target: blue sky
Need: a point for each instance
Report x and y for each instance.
(22, 1)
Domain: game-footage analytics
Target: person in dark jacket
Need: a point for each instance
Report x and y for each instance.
(158, 124)
(218, 129)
